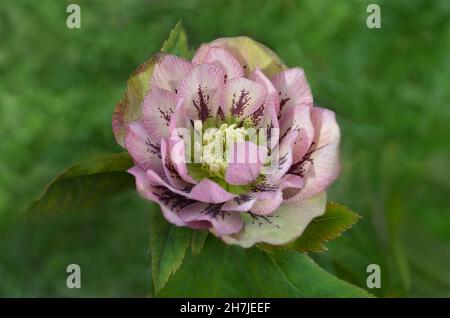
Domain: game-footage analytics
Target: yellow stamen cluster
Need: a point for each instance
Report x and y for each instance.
(216, 146)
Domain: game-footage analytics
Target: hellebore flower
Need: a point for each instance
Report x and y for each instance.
(230, 142)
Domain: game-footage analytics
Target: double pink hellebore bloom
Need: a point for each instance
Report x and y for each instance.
(232, 86)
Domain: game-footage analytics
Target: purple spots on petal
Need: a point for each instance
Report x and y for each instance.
(242, 198)
(215, 210)
(152, 148)
(174, 201)
(286, 132)
(202, 104)
(257, 115)
(283, 102)
(171, 169)
(221, 114)
(282, 161)
(238, 104)
(264, 187)
(265, 218)
(165, 115)
(299, 167)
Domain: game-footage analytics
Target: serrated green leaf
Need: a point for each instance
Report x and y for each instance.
(222, 270)
(85, 184)
(336, 220)
(176, 43)
(168, 244)
(198, 239)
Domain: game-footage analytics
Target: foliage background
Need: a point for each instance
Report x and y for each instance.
(389, 87)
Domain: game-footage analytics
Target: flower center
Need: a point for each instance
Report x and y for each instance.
(216, 147)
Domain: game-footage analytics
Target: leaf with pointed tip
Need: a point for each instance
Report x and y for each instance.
(330, 225)
(85, 184)
(168, 245)
(229, 271)
(198, 241)
(176, 43)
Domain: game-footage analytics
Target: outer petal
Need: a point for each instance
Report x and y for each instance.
(285, 225)
(222, 222)
(230, 66)
(245, 162)
(293, 89)
(145, 153)
(321, 164)
(169, 72)
(158, 108)
(128, 109)
(170, 202)
(198, 89)
(248, 52)
(242, 97)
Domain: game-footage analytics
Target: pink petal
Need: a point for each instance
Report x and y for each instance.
(157, 109)
(291, 181)
(170, 171)
(210, 192)
(225, 60)
(169, 72)
(149, 192)
(298, 118)
(245, 162)
(324, 154)
(157, 181)
(144, 152)
(242, 97)
(177, 157)
(267, 206)
(222, 222)
(242, 203)
(293, 89)
(205, 191)
(198, 89)
(284, 162)
(272, 93)
(247, 51)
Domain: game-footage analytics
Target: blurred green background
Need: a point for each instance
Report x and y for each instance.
(388, 86)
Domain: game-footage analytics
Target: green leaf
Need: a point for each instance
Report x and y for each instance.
(336, 220)
(168, 244)
(222, 270)
(85, 184)
(198, 240)
(176, 43)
